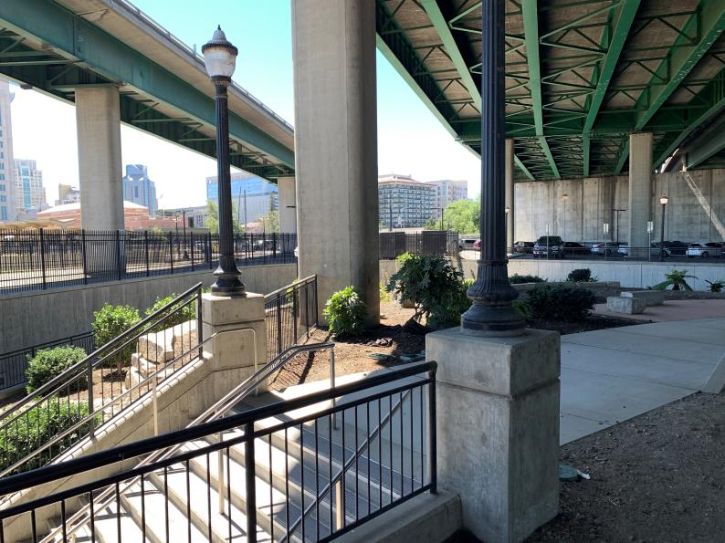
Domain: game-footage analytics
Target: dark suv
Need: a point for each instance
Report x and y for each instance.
(549, 246)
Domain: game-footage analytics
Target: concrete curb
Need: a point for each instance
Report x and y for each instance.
(716, 382)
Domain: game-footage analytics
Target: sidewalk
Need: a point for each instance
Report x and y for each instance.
(608, 376)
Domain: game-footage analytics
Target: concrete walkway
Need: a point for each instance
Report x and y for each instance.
(612, 375)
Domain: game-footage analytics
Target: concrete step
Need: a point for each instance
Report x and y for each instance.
(159, 347)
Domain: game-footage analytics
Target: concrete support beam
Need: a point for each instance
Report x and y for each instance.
(287, 205)
(509, 176)
(498, 429)
(336, 146)
(640, 192)
(98, 118)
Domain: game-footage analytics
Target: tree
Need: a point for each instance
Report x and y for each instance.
(461, 216)
(212, 218)
(271, 222)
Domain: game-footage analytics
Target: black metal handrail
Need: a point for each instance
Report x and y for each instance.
(73, 389)
(290, 314)
(228, 430)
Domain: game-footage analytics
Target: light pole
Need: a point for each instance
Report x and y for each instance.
(220, 57)
(492, 312)
(663, 200)
(616, 222)
(509, 248)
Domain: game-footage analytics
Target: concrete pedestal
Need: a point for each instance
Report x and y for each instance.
(498, 429)
(241, 341)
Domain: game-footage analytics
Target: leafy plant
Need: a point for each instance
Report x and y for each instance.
(384, 294)
(180, 312)
(516, 279)
(433, 285)
(38, 426)
(560, 303)
(716, 286)
(48, 363)
(345, 312)
(677, 279)
(581, 275)
(111, 321)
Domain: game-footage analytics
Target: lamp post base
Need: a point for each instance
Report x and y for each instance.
(499, 320)
(228, 282)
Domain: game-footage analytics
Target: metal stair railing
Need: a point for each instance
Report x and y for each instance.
(70, 395)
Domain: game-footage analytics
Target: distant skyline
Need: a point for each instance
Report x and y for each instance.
(410, 139)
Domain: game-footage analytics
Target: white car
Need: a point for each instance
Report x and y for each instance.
(705, 250)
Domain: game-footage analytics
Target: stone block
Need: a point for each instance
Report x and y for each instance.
(628, 306)
(651, 297)
(231, 310)
(498, 429)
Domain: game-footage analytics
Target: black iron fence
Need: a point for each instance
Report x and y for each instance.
(307, 469)
(290, 313)
(427, 242)
(43, 259)
(14, 364)
(68, 408)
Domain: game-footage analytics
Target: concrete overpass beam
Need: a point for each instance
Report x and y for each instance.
(510, 215)
(640, 192)
(287, 205)
(98, 118)
(336, 146)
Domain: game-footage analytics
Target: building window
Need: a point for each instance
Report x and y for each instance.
(135, 192)
(3, 198)
(3, 213)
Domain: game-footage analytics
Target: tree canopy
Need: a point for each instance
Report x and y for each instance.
(461, 216)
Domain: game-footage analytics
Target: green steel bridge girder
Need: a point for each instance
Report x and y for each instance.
(706, 147)
(91, 48)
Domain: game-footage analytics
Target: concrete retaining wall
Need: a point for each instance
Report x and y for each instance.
(38, 317)
(577, 209)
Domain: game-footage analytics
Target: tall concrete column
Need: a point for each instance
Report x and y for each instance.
(287, 205)
(509, 176)
(98, 118)
(640, 192)
(336, 146)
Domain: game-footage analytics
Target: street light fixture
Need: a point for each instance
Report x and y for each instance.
(663, 200)
(220, 59)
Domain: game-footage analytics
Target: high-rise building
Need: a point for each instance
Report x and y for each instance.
(404, 202)
(448, 191)
(29, 189)
(253, 196)
(67, 194)
(139, 189)
(7, 166)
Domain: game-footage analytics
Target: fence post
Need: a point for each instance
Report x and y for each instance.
(146, 251)
(209, 251)
(171, 251)
(274, 246)
(118, 254)
(433, 465)
(91, 408)
(83, 256)
(42, 257)
(191, 234)
(279, 324)
(250, 475)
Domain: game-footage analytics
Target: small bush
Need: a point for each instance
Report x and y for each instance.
(560, 303)
(48, 363)
(38, 426)
(111, 321)
(185, 311)
(517, 279)
(582, 275)
(716, 286)
(345, 312)
(434, 286)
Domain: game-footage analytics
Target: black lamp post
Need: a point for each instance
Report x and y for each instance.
(663, 200)
(220, 58)
(492, 312)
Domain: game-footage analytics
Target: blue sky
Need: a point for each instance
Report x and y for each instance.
(410, 139)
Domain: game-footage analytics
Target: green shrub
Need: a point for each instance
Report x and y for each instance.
(111, 321)
(38, 426)
(677, 279)
(716, 286)
(582, 275)
(384, 295)
(48, 363)
(345, 312)
(185, 311)
(434, 286)
(560, 303)
(516, 279)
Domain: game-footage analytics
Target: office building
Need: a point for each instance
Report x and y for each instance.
(139, 189)
(252, 196)
(404, 202)
(7, 166)
(67, 194)
(447, 192)
(195, 216)
(29, 189)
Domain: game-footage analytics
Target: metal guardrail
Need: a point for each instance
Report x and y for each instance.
(398, 473)
(290, 314)
(45, 259)
(14, 363)
(69, 407)
(428, 243)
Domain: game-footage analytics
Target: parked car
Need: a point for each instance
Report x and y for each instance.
(523, 247)
(705, 250)
(676, 248)
(605, 248)
(466, 244)
(654, 250)
(572, 248)
(549, 246)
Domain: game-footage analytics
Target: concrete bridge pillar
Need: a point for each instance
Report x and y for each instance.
(98, 116)
(510, 210)
(287, 205)
(640, 192)
(336, 146)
